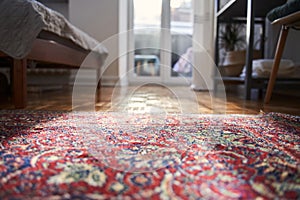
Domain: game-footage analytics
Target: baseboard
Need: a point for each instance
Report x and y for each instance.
(43, 88)
(88, 77)
(109, 80)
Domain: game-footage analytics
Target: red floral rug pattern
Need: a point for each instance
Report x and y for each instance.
(59, 155)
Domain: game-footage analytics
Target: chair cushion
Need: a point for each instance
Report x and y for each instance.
(284, 10)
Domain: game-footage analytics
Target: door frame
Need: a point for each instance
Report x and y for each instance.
(165, 48)
(199, 81)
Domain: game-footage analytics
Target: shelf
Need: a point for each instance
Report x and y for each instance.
(287, 80)
(238, 8)
(230, 78)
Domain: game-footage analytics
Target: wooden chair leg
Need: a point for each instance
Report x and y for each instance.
(20, 83)
(279, 50)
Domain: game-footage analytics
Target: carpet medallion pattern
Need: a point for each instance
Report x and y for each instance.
(82, 155)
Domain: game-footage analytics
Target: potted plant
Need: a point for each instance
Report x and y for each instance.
(232, 42)
(232, 37)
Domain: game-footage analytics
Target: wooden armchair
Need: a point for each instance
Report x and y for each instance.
(288, 16)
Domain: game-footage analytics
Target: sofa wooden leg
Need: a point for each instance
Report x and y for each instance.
(20, 83)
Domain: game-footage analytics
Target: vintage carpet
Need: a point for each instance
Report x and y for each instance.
(59, 155)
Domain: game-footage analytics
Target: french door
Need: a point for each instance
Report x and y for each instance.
(161, 39)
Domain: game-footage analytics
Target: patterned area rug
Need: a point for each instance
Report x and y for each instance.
(59, 155)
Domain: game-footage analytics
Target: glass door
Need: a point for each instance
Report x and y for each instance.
(146, 40)
(162, 41)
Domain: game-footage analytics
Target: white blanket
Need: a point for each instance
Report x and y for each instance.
(263, 68)
(22, 20)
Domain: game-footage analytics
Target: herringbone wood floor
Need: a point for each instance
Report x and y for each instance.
(153, 98)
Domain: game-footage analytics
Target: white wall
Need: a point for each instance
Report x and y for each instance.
(292, 46)
(98, 18)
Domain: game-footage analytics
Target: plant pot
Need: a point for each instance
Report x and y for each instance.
(234, 62)
(235, 58)
(231, 70)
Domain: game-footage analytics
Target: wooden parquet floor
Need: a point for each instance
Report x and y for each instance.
(158, 99)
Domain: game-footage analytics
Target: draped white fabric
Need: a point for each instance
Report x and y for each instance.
(203, 45)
